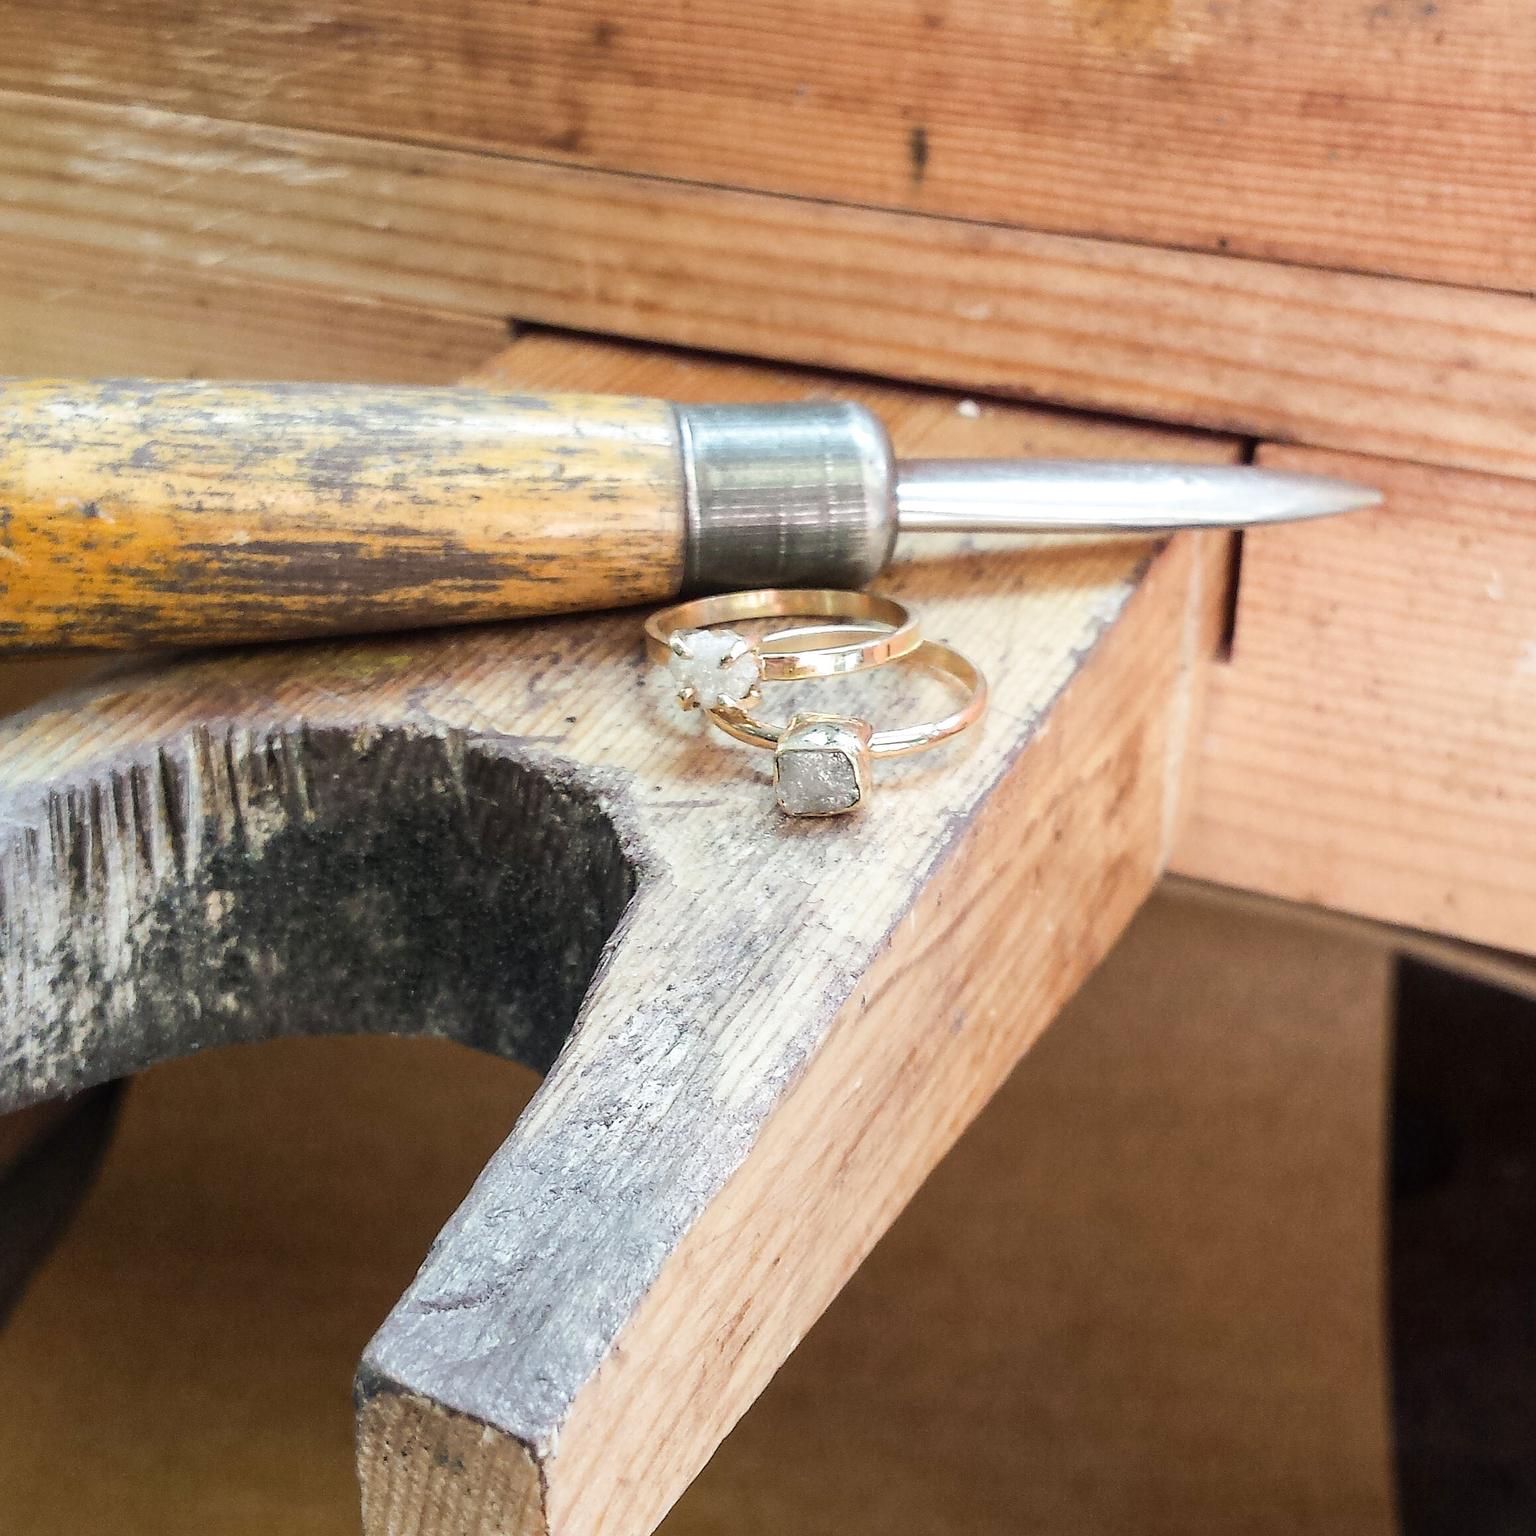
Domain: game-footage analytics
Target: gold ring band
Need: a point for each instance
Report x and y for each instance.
(716, 667)
(821, 763)
(902, 742)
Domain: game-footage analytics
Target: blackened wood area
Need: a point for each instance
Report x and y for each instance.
(310, 882)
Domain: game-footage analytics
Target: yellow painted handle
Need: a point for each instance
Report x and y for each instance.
(141, 514)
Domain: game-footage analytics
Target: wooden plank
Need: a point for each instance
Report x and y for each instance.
(1372, 744)
(1396, 137)
(456, 835)
(69, 309)
(1411, 370)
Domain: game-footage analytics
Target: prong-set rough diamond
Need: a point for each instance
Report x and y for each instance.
(714, 669)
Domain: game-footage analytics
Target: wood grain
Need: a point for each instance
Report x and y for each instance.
(931, 1031)
(150, 514)
(1411, 370)
(784, 1032)
(71, 310)
(1371, 746)
(1393, 137)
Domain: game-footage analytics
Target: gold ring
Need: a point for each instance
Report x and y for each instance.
(718, 668)
(821, 762)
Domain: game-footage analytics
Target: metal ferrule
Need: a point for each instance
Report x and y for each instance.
(795, 495)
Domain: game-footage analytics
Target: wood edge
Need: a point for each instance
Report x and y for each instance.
(1213, 595)
(416, 1455)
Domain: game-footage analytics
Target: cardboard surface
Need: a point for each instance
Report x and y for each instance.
(1143, 1295)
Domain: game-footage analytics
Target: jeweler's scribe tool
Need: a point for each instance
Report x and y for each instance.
(136, 513)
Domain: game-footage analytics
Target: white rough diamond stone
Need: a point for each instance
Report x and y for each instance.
(816, 783)
(713, 679)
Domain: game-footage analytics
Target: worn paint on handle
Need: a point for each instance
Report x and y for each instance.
(136, 513)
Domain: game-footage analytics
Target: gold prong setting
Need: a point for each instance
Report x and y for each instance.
(714, 669)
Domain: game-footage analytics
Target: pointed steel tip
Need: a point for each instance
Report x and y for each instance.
(1296, 497)
(1353, 497)
(1081, 496)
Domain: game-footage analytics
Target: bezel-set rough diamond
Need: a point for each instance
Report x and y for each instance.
(714, 669)
(821, 765)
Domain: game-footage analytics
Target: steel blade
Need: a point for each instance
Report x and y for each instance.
(1085, 496)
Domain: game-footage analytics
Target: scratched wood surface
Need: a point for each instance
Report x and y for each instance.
(1414, 370)
(456, 836)
(1389, 137)
(1371, 745)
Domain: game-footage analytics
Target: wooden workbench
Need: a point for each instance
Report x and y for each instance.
(1299, 225)
(1256, 234)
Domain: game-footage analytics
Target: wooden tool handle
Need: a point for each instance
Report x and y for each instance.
(141, 514)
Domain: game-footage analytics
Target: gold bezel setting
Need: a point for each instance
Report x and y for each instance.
(821, 765)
